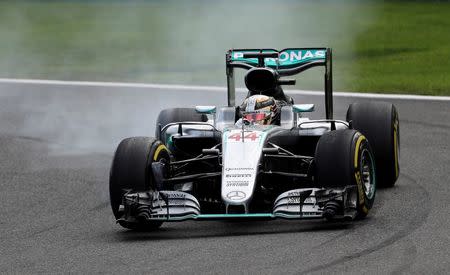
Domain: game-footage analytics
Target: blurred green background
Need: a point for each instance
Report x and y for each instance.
(378, 46)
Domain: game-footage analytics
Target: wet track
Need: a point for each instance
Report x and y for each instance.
(56, 145)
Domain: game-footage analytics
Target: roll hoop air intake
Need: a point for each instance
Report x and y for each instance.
(261, 79)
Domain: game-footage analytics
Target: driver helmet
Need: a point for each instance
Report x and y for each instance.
(259, 109)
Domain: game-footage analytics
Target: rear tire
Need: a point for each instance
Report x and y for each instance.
(378, 121)
(172, 115)
(131, 170)
(344, 157)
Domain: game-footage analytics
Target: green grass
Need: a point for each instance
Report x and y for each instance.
(378, 46)
(407, 49)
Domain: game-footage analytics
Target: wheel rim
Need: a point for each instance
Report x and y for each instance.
(368, 173)
(164, 159)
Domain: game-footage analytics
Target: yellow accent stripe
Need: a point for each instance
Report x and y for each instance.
(395, 150)
(358, 142)
(158, 150)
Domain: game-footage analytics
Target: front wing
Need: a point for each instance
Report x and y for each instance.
(304, 203)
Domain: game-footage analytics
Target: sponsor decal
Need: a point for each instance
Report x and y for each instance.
(238, 168)
(286, 58)
(358, 147)
(252, 136)
(297, 200)
(294, 193)
(236, 195)
(176, 196)
(237, 183)
(358, 179)
(238, 175)
(174, 199)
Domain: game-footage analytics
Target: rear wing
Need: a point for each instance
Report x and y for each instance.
(290, 61)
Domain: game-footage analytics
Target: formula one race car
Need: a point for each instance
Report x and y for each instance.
(262, 159)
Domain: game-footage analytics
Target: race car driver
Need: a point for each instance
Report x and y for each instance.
(260, 109)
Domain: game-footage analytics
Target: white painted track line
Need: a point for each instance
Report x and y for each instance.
(211, 88)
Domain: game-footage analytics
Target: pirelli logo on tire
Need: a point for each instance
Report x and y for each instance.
(361, 197)
(357, 148)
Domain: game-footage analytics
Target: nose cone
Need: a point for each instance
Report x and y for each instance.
(241, 156)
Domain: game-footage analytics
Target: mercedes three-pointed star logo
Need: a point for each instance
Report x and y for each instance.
(236, 195)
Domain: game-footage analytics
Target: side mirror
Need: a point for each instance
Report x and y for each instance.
(205, 109)
(302, 108)
(298, 109)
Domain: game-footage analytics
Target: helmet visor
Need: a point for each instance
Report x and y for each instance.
(256, 117)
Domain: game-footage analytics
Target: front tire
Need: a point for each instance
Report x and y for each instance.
(131, 170)
(344, 157)
(378, 121)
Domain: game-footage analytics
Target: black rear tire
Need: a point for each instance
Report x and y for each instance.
(344, 157)
(172, 115)
(131, 170)
(378, 121)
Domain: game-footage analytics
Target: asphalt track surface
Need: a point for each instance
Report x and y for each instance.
(56, 145)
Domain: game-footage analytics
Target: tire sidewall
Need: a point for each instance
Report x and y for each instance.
(379, 122)
(396, 142)
(158, 153)
(361, 146)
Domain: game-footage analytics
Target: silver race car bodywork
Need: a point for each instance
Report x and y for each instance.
(208, 163)
(242, 151)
